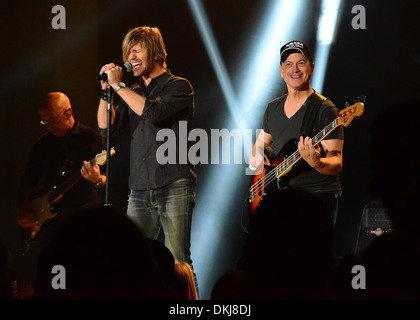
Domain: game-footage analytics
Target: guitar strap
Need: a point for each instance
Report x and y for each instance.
(310, 115)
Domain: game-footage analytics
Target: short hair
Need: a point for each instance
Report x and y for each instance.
(55, 101)
(150, 39)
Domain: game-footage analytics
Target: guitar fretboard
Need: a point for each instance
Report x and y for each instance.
(295, 157)
(287, 163)
(57, 191)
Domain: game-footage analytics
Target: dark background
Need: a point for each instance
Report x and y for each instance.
(381, 62)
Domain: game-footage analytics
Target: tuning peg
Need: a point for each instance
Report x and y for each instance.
(362, 98)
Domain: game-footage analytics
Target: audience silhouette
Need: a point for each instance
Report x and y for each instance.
(6, 277)
(398, 189)
(164, 259)
(178, 276)
(288, 254)
(392, 260)
(105, 256)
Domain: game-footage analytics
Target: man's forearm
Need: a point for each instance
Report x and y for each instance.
(331, 165)
(134, 100)
(102, 115)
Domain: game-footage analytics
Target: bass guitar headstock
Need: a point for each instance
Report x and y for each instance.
(347, 115)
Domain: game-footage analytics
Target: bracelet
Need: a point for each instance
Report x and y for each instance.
(104, 95)
(99, 183)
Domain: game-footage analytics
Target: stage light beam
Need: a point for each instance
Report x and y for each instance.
(214, 55)
(282, 22)
(327, 25)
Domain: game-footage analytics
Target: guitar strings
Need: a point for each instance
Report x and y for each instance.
(275, 173)
(294, 157)
(351, 111)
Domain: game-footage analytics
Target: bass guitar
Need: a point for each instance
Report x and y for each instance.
(284, 161)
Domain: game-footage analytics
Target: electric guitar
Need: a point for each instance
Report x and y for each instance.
(42, 207)
(284, 161)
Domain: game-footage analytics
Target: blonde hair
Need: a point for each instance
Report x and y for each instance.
(149, 39)
(185, 280)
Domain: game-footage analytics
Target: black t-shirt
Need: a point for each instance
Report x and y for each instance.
(55, 161)
(283, 129)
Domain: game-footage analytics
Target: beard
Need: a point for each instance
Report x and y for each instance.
(147, 70)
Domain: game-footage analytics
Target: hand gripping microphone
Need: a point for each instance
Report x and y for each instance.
(127, 67)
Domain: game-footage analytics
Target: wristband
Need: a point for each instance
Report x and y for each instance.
(104, 95)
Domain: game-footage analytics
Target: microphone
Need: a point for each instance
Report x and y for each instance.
(127, 67)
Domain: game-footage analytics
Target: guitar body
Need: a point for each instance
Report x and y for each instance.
(42, 208)
(289, 155)
(261, 188)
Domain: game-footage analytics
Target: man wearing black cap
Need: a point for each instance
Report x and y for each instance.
(300, 114)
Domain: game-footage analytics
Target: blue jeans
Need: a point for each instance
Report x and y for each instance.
(169, 208)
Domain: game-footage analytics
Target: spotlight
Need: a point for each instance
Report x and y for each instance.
(219, 195)
(327, 24)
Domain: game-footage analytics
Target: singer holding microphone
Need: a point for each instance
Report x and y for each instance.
(162, 196)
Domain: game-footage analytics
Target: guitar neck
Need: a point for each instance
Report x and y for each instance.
(325, 132)
(295, 157)
(58, 191)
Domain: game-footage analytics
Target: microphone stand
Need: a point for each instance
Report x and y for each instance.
(108, 147)
(127, 67)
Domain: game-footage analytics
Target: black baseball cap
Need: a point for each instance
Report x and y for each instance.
(295, 46)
